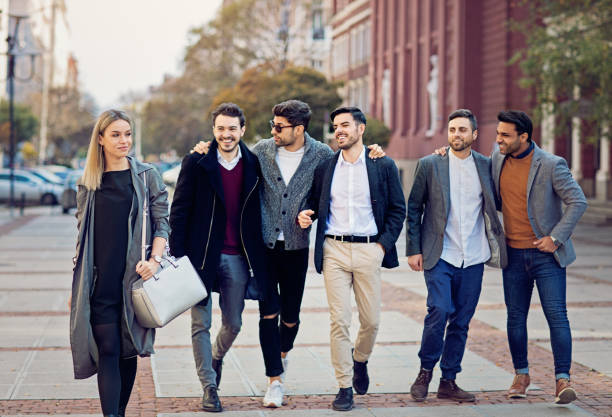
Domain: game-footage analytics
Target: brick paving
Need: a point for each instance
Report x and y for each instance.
(594, 388)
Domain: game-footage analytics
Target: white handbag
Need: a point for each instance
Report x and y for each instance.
(174, 289)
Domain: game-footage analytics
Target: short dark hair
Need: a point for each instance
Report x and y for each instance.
(295, 111)
(519, 119)
(467, 114)
(229, 109)
(357, 114)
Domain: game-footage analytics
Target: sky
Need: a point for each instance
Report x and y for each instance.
(128, 45)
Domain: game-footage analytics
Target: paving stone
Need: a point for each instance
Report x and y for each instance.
(594, 354)
(539, 410)
(31, 301)
(455, 411)
(584, 322)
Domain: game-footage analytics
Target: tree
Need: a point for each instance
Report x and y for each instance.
(71, 118)
(244, 34)
(26, 124)
(260, 88)
(568, 59)
(376, 132)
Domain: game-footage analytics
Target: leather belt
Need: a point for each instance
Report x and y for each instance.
(354, 239)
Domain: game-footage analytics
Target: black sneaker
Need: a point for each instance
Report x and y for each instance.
(419, 389)
(210, 400)
(217, 365)
(344, 400)
(361, 380)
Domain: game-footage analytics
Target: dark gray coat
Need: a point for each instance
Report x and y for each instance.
(429, 208)
(135, 340)
(278, 198)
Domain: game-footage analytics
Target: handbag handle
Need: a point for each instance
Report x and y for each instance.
(145, 213)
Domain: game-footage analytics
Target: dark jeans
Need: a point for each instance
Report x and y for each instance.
(526, 267)
(452, 296)
(287, 277)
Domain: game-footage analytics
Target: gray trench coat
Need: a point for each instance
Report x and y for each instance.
(135, 340)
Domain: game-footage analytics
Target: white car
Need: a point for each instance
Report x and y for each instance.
(28, 187)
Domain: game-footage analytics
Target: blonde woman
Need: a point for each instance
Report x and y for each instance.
(104, 335)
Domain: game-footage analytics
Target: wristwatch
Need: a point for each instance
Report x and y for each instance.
(555, 241)
(157, 259)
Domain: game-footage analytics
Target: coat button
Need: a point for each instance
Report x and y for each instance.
(285, 195)
(284, 212)
(278, 179)
(277, 229)
(271, 245)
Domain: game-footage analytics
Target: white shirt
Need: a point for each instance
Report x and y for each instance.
(288, 163)
(465, 239)
(350, 208)
(231, 164)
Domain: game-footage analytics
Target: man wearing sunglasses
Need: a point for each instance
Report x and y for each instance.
(288, 160)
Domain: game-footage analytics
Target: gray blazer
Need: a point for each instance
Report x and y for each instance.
(549, 185)
(135, 340)
(280, 203)
(429, 208)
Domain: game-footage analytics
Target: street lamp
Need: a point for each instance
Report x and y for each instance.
(14, 50)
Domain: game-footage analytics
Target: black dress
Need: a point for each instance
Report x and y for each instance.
(113, 202)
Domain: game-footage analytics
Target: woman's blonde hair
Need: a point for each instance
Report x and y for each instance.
(94, 164)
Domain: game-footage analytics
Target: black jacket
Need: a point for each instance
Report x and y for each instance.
(197, 216)
(388, 204)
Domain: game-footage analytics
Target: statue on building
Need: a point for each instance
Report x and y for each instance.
(386, 96)
(432, 89)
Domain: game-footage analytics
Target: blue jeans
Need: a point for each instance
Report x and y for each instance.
(232, 277)
(452, 296)
(526, 267)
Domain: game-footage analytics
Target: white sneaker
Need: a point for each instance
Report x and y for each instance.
(274, 395)
(285, 362)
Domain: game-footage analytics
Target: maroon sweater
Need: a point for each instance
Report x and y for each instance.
(232, 190)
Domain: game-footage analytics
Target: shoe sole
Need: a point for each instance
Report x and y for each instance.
(272, 405)
(342, 409)
(566, 396)
(518, 395)
(448, 397)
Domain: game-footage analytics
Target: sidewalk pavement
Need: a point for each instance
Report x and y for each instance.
(36, 369)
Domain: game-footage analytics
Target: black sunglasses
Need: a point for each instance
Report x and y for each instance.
(278, 128)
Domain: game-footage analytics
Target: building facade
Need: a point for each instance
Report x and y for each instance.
(425, 58)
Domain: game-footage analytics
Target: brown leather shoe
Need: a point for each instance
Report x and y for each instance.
(564, 394)
(418, 390)
(448, 389)
(518, 389)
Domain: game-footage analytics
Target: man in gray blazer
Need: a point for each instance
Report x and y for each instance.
(532, 186)
(452, 229)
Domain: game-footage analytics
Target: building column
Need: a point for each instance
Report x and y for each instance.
(602, 177)
(547, 131)
(576, 146)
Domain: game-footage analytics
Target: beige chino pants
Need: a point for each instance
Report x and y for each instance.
(349, 266)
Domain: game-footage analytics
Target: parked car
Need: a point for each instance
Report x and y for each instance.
(28, 187)
(68, 200)
(59, 170)
(170, 177)
(46, 176)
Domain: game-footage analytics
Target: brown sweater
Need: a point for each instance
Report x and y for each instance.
(513, 190)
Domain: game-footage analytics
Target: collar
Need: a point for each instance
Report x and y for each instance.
(525, 153)
(222, 160)
(459, 160)
(361, 158)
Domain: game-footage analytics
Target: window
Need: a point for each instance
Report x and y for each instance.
(318, 29)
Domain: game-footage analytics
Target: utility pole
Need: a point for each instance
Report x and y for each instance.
(47, 82)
